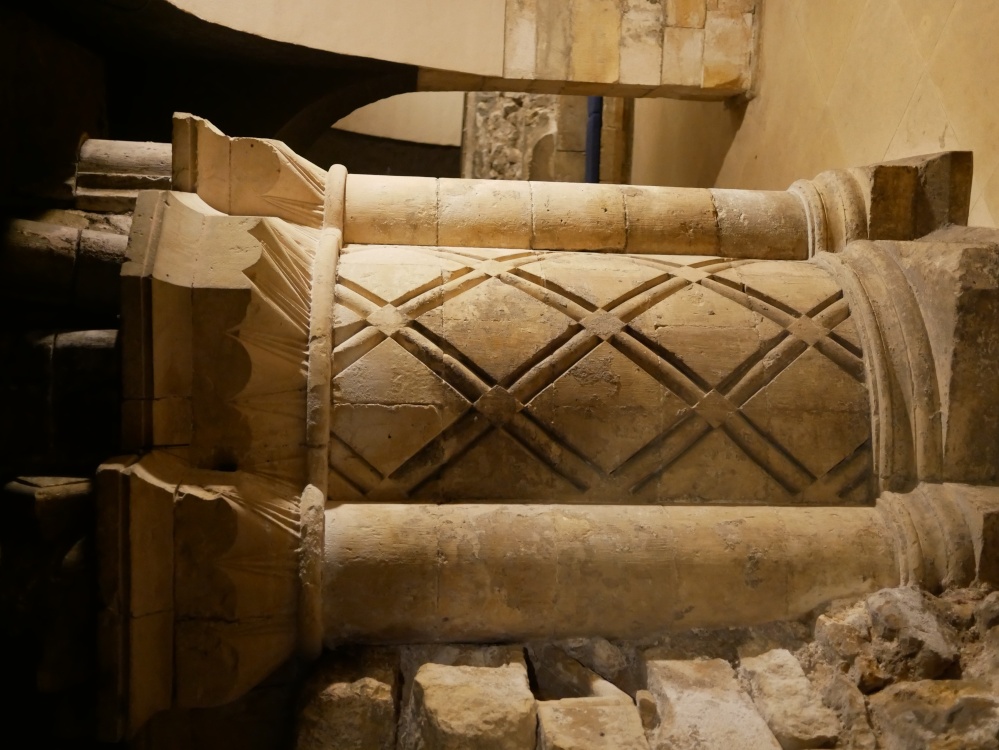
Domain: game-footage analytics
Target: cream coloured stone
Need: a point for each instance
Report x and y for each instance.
(596, 39)
(577, 217)
(473, 708)
(554, 33)
(641, 42)
(350, 703)
(683, 56)
(520, 39)
(728, 40)
(701, 702)
(484, 213)
(413, 220)
(686, 13)
(760, 223)
(787, 701)
(398, 571)
(589, 724)
(662, 220)
(841, 695)
(936, 713)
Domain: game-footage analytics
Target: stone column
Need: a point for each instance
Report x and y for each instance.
(416, 573)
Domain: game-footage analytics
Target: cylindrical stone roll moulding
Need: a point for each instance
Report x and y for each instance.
(417, 573)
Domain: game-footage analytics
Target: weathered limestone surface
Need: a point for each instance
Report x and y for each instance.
(350, 704)
(628, 43)
(110, 174)
(397, 573)
(936, 714)
(733, 356)
(472, 708)
(787, 701)
(841, 695)
(984, 665)
(702, 705)
(910, 640)
(589, 724)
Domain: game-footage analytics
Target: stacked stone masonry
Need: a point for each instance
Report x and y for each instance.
(695, 48)
(900, 669)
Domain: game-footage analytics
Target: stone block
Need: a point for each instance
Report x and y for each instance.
(701, 703)
(641, 42)
(554, 30)
(606, 659)
(484, 213)
(843, 635)
(596, 36)
(689, 14)
(589, 724)
(957, 285)
(349, 703)
(571, 117)
(412, 219)
(911, 641)
(728, 51)
(984, 664)
(841, 695)
(987, 613)
(931, 714)
(578, 217)
(682, 57)
(787, 701)
(665, 220)
(560, 676)
(472, 708)
(520, 39)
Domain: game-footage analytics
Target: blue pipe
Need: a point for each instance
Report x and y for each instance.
(594, 122)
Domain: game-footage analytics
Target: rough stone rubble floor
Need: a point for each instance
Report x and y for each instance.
(898, 670)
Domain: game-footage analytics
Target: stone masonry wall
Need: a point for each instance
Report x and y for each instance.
(661, 47)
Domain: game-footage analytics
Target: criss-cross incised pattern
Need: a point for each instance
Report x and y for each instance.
(465, 374)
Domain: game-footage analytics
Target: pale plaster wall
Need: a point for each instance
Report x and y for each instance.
(842, 84)
(423, 117)
(459, 35)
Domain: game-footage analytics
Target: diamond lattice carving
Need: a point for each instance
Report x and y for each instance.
(520, 375)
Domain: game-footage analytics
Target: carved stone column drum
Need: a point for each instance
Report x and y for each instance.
(474, 374)
(401, 409)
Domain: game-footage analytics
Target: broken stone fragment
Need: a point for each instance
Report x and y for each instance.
(589, 724)
(787, 701)
(841, 695)
(842, 635)
(702, 706)
(350, 702)
(987, 613)
(985, 664)
(471, 708)
(936, 714)
(910, 639)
